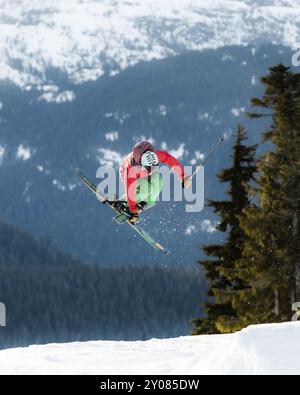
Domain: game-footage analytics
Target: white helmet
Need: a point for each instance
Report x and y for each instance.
(149, 158)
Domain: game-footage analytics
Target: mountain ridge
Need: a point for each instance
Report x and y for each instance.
(91, 38)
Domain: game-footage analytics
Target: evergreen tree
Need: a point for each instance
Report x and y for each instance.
(271, 256)
(221, 310)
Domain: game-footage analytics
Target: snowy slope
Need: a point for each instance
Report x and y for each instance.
(84, 39)
(264, 349)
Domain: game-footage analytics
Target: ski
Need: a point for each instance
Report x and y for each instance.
(121, 218)
(120, 213)
(157, 246)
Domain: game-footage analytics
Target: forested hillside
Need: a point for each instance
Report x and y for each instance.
(50, 297)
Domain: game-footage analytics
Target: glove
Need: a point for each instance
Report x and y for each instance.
(187, 182)
(134, 218)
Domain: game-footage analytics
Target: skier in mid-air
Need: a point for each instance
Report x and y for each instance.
(142, 183)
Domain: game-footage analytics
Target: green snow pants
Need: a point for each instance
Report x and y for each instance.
(148, 189)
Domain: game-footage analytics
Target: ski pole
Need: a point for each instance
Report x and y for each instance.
(211, 152)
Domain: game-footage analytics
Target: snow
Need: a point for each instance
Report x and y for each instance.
(208, 226)
(227, 135)
(108, 157)
(83, 39)
(118, 116)
(72, 187)
(51, 96)
(198, 158)
(163, 110)
(66, 96)
(264, 349)
(59, 185)
(199, 155)
(143, 137)
(179, 152)
(237, 111)
(2, 154)
(112, 136)
(254, 80)
(164, 146)
(191, 229)
(24, 153)
(203, 116)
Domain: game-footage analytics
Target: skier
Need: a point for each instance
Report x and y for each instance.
(142, 183)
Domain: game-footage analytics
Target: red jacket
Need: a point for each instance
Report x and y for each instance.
(130, 171)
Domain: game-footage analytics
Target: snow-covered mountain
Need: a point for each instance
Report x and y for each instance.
(87, 38)
(263, 349)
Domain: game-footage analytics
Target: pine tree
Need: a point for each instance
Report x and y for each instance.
(271, 256)
(225, 285)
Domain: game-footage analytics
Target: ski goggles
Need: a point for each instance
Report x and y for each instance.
(149, 159)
